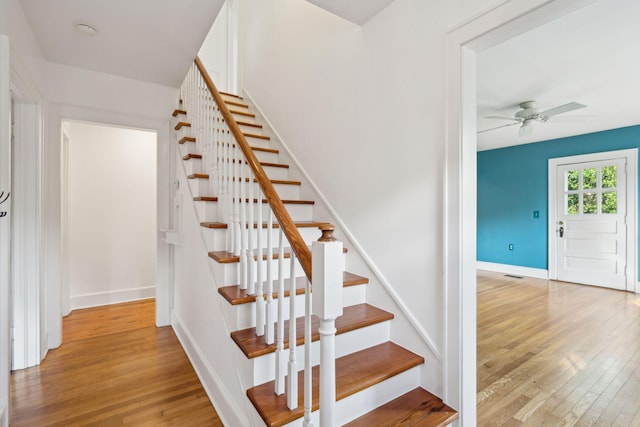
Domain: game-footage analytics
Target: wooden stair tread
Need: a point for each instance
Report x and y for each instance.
(224, 257)
(286, 202)
(353, 317)
(236, 296)
(254, 135)
(415, 408)
(192, 156)
(266, 150)
(180, 125)
(299, 224)
(179, 111)
(231, 94)
(187, 139)
(253, 125)
(274, 165)
(241, 113)
(354, 372)
(198, 176)
(236, 103)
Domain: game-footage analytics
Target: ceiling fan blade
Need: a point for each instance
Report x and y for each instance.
(562, 109)
(525, 130)
(504, 118)
(499, 127)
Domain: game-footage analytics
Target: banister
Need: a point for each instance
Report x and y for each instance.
(298, 244)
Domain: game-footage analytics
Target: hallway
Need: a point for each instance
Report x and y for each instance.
(114, 368)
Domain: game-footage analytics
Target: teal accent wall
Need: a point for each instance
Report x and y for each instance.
(513, 183)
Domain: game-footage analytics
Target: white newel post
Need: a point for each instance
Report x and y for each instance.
(327, 306)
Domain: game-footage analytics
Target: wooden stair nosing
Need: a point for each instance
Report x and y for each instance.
(253, 135)
(353, 317)
(224, 257)
(192, 156)
(266, 150)
(236, 296)
(180, 125)
(198, 176)
(417, 407)
(231, 94)
(236, 103)
(299, 224)
(253, 125)
(205, 199)
(354, 372)
(242, 113)
(178, 111)
(187, 139)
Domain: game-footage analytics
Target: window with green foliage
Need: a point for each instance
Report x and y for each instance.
(591, 191)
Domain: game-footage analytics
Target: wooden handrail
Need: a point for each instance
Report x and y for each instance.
(290, 230)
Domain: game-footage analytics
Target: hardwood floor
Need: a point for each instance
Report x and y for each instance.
(556, 354)
(114, 368)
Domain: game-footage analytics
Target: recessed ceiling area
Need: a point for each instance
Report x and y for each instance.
(148, 40)
(591, 56)
(356, 11)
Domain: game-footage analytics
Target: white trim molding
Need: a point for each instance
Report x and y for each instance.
(229, 413)
(97, 299)
(500, 23)
(515, 270)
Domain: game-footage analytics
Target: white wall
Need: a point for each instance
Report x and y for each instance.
(216, 49)
(111, 214)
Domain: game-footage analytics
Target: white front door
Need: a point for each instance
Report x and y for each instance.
(591, 221)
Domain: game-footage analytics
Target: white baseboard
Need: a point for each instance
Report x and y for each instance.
(4, 422)
(112, 297)
(228, 411)
(515, 270)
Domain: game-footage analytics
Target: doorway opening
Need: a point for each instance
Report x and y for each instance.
(109, 230)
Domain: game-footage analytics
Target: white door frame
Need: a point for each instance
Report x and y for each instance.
(52, 212)
(491, 27)
(5, 227)
(631, 156)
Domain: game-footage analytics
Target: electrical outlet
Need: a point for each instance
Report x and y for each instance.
(510, 246)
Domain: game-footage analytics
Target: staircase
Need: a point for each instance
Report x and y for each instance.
(376, 380)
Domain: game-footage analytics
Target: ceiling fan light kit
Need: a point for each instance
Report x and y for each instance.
(529, 114)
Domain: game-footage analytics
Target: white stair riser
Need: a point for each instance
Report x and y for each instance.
(356, 405)
(227, 273)
(199, 186)
(193, 166)
(242, 316)
(237, 107)
(216, 238)
(230, 98)
(263, 367)
(258, 142)
(267, 157)
(249, 129)
(241, 117)
(212, 212)
(184, 131)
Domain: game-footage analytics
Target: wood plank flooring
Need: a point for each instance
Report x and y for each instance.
(114, 368)
(556, 354)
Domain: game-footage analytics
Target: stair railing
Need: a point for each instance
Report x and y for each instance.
(225, 152)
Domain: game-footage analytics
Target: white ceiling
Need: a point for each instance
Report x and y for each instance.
(149, 40)
(357, 11)
(591, 56)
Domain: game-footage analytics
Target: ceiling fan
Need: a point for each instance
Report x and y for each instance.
(530, 114)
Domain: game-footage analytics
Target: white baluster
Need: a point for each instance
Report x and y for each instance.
(251, 289)
(292, 378)
(280, 353)
(269, 338)
(243, 221)
(260, 302)
(327, 306)
(308, 395)
(236, 201)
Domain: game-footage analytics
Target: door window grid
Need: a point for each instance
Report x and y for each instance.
(591, 191)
